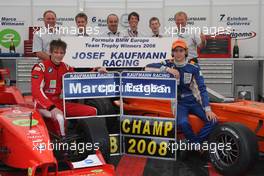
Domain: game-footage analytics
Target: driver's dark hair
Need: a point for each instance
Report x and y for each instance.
(133, 14)
(81, 15)
(55, 44)
(49, 11)
(153, 19)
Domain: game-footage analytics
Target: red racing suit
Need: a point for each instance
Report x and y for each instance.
(46, 83)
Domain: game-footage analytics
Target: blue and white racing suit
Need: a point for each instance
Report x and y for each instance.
(190, 100)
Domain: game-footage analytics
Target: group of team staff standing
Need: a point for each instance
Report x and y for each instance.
(192, 94)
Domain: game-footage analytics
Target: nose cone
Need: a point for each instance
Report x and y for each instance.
(26, 139)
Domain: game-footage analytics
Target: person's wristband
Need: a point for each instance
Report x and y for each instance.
(95, 69)
(163, 69)
(51, 107)
(207, 109)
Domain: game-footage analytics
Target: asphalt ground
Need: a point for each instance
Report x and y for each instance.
(194, 164)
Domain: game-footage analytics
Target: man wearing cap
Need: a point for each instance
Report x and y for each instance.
(188, 75)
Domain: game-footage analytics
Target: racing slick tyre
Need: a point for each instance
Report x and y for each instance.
(4, 168)
(240, 150)
(95, 132)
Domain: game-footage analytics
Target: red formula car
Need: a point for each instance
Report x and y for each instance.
(240, 124)
(28, 147)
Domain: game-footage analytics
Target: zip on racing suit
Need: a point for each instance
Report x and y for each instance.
(192, 98)
(46, 90)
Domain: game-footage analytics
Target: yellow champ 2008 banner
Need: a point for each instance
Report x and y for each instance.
(148, 127)
(149, 137)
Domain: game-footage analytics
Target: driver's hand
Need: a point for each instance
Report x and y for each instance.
(211, 116)
(101, 69)
(174, 72)
(54, 112)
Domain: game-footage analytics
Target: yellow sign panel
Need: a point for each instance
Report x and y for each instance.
(148, 127)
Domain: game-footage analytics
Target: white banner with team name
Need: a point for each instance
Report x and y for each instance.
(124, 52)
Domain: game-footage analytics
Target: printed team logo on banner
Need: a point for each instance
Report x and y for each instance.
(192, 20)
(6, 35)
(243, 35)
(60, 20)
(116, 52)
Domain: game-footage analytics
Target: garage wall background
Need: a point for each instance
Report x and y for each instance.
(245, 17)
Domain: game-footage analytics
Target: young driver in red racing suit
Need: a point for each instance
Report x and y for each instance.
(47, 88)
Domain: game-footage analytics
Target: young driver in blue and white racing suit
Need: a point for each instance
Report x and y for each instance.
(189, 77)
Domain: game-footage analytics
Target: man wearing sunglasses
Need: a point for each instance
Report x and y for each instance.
(188, 75)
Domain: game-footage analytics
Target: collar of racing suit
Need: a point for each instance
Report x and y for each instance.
(179, 64)
(53, 65)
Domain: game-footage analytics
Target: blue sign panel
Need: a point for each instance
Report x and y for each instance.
(148, 85)
(91, 85)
